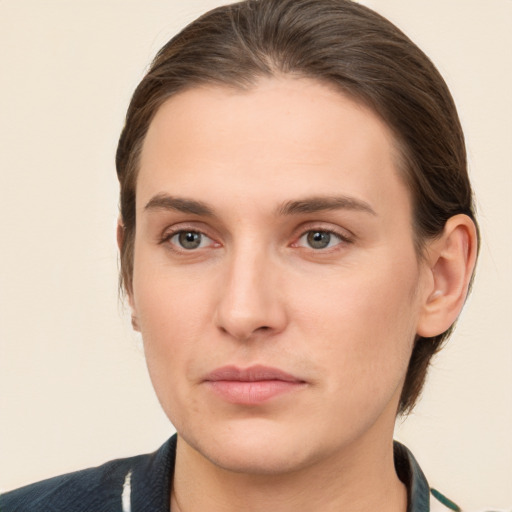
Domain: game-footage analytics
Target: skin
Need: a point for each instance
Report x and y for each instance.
(248, 174)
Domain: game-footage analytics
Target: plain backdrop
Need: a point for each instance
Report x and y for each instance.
(73, 382)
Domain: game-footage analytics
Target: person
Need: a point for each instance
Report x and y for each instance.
(297, 238)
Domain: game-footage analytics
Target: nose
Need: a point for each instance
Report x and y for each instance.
(251, 301)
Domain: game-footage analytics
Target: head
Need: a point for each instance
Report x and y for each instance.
(338, 47)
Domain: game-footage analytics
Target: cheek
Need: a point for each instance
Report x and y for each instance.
(363, 323)
(172, 312)
(167, 300)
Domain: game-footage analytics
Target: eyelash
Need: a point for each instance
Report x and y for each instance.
(343, 239)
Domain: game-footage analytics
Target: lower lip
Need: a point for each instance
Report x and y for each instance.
(252, 393)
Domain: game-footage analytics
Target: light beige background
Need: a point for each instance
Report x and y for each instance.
(74, 389)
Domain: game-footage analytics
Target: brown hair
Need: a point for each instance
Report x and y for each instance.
(338, 42)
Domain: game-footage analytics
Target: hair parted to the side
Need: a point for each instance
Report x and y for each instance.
(338, 42)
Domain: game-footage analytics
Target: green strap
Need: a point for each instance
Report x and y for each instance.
(445, 501)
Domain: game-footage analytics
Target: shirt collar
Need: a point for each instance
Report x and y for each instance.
(410, 473)
(152, 480)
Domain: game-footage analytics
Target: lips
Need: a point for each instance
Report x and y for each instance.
(253, 385)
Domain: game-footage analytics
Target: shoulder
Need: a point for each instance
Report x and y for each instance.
(422, 497)
(104, 488)
(96, 488)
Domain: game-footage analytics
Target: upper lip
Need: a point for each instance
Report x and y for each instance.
(251, 374)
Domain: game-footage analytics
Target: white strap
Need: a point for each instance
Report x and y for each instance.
(127, 493)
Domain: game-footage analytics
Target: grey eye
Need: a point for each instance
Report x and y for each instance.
(189, 239)
(318, 239)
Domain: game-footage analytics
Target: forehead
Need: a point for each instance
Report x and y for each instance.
(291, 134)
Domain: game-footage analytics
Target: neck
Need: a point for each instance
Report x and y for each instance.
(362, 478)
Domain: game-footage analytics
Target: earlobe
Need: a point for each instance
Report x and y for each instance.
(120, 240)
(120, 233)
(452, 259)
(135, 323)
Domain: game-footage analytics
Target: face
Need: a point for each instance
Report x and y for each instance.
(276, 284)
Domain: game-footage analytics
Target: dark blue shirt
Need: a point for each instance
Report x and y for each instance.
(142, 484)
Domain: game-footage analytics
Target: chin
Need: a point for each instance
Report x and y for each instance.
(259, 459)
(257, 451)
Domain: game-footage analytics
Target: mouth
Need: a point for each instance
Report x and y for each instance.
(253, 385)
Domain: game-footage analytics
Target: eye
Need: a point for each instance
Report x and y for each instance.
(318, 239)
(190, 240)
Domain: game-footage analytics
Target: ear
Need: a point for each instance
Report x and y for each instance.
(120, 240)
(120, 233)
(451, 259)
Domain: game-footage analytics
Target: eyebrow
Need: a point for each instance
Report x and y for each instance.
(166, 202)
(302, 206)
(318, 204)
